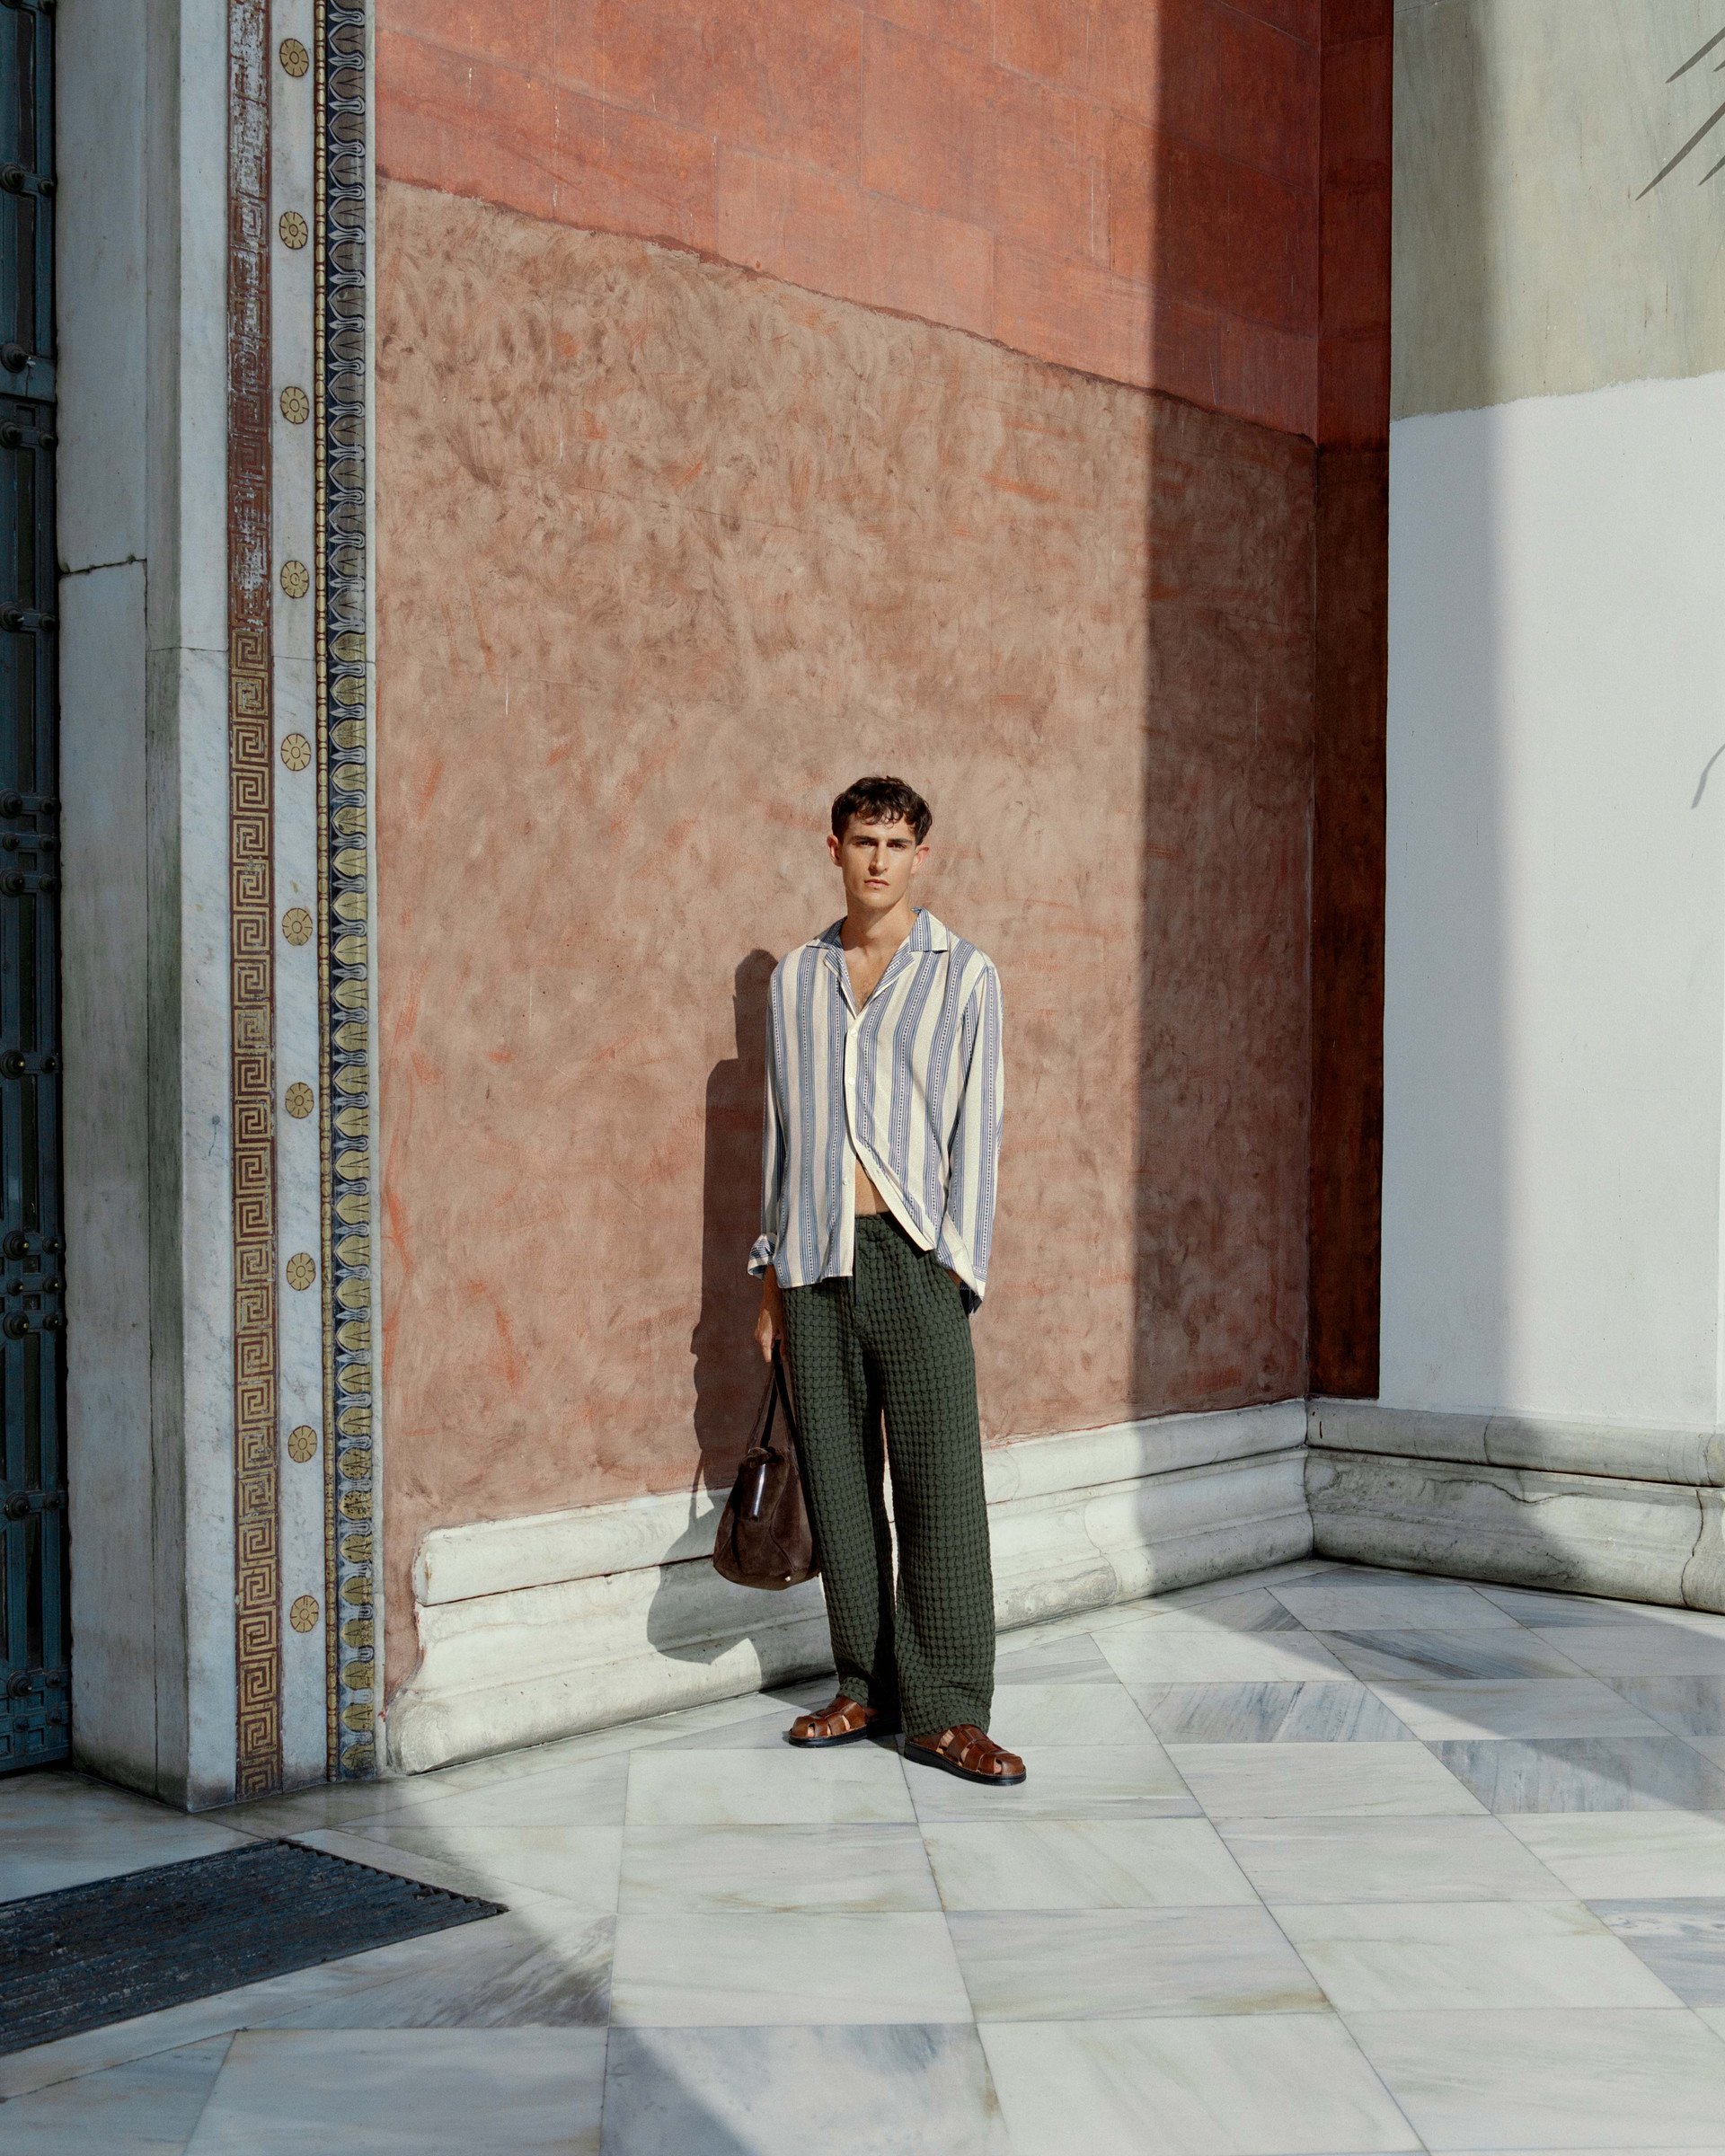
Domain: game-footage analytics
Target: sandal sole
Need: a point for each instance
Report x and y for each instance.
(846, 1736)
(922, 1754)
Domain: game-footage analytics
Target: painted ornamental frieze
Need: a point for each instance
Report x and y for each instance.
(306, 1630)
(354, 1635)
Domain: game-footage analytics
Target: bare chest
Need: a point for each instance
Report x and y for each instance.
(865, 971)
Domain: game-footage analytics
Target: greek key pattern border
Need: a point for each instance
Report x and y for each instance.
(343, 757)
(257, 1528)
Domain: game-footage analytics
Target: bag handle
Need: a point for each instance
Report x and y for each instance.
(778, 1394)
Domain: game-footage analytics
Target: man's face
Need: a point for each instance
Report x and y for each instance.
(878, 863)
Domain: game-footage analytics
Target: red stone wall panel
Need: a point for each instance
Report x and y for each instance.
(1356, 258)
(483, 126)
(1181, 219)
(1056, 40)
(1356, 112)
(632, 171)
(816, 232)
(1218, 158)
(1239, 88)
(1345, 19)
(1076, 314)
(969, 24)
(522, 36)
(777, 76)
(928, 127)
(1050, 170)
(1215, 75)
(713, 124)
(1354, 390)
(1274, 373)
(1300, 19)
(1237, 237)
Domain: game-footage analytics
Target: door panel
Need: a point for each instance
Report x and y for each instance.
(35, 1709)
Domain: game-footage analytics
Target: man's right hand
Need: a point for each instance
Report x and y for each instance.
(769, 1327)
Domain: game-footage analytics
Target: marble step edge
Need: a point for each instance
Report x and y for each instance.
(1560, 1444)
(526, 1666)
(1633, 1541)
(491, 1557)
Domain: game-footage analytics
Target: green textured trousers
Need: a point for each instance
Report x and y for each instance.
(892, 1344)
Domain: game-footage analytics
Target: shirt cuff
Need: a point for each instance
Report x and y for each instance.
(761, 1256)
(952, 1252)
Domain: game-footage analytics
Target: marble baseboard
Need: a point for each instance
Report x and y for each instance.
(1585, 1508)
(536, 1628)
(1555, 1444)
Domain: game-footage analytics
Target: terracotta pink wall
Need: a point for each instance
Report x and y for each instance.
(668, 553)
(1353, 409)
(1139, 188)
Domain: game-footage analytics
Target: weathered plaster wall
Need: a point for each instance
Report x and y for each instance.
(1535, 255)
(670, 552)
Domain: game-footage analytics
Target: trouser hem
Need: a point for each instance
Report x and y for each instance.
(869, 1695)
(946, 1712)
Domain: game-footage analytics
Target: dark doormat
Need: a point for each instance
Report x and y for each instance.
(91, 1954)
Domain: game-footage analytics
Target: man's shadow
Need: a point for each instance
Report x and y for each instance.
(730, 1376)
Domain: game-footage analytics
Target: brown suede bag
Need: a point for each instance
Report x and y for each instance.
(765, 1539)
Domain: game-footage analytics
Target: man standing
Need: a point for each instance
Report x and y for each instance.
(879, 1163)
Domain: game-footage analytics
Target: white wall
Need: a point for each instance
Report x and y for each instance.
(1554, 1022)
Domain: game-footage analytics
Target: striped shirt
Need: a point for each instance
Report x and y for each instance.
(909, 1086)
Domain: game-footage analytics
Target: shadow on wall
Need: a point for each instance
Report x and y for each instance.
(728, 1376)
(728, 1379)
(1224, 784)
(1446, 1077)
(1701, 132)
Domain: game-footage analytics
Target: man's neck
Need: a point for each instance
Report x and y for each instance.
(878, 935)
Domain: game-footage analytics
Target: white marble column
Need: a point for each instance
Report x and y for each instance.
(202, 1490)
(142, 278)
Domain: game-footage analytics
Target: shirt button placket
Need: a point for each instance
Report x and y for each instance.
(849, 1197)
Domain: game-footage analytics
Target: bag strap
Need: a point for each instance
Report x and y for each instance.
(778, 1395)
(782, 1383)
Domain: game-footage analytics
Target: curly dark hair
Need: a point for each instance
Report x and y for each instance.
(882, 800)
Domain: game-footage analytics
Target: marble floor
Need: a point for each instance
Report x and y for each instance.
(1325, 1859)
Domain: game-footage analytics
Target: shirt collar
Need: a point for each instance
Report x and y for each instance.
(926, 934)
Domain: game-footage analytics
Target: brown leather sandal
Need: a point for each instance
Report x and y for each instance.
(970, 1753)
(842, 1723)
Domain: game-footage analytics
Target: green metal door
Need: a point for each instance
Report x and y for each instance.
(35, 1712)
